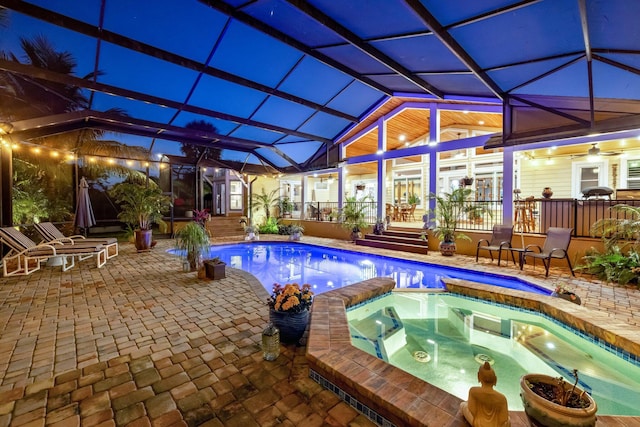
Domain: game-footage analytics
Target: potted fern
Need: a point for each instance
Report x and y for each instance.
(295, 231)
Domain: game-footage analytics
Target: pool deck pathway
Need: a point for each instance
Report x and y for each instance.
(140, 343)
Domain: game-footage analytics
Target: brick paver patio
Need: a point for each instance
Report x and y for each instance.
(140, 343)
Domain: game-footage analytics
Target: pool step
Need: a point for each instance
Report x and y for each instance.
(393, 242)
(409, 234)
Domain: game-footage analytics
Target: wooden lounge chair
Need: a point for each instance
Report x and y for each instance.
(51, 233)
(500, 240)
(25, 256)
(555, 246)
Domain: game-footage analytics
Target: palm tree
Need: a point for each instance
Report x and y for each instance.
(265, 201)
(198, 153)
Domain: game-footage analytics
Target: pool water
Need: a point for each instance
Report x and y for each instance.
(327, 268)
(443, 339)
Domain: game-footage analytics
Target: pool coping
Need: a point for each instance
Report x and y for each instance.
(398, 396)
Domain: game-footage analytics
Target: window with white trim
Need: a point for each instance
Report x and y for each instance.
(588, 174)
(633, 174)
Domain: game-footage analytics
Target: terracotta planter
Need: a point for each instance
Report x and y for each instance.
(143, 240)
(447, 248)
(549, 414)
(547, 193)
(291, 325)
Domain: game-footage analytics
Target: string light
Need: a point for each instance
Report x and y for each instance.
(93, 159)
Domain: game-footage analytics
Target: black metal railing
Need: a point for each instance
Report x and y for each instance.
(330, 211)
(571, 213)
(481, 215)
(533, 216)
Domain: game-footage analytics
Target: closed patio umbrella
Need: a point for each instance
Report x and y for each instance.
(84, 212)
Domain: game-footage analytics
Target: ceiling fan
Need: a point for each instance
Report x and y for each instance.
(595, 151)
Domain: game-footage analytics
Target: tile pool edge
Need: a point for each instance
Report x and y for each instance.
(402, 398)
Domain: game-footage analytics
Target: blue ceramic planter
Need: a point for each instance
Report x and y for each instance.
(291, 325)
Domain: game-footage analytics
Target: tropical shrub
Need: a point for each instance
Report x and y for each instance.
(612, 266)
(270, 226)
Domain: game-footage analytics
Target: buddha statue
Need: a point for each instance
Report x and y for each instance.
(485, 406)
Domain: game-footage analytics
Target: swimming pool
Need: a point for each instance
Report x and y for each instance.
(443, 338)
(328, 268)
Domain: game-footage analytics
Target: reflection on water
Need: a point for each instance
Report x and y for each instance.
(327, 268)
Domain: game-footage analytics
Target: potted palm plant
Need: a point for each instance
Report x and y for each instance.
(193, 241)
(450, 209)
(353, 217)
(141, 206)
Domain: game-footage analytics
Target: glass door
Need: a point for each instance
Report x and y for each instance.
(219, 198)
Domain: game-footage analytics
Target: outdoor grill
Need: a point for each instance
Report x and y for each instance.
(597, 192)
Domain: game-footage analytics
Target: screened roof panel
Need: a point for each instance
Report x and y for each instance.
(132, 107)
(226, 97)
(271, 112)
(82, 48)
(249, 53)
(604, 34)
(324, 125)
(300, 151)
(521, 35)
(273, 157)
(304, 72)
(447, 13)
(174, 28)
(355, 98)
(292, 22)
(313, 80)
(458, 84)
(396, 82)
(570, 81)
(223, 127)
(613, 82)
(376, 18)
(421, 53)
(355, 59)
(255, 134)
(516, 75)
(240, 156)
(132, 70)
(86, 10)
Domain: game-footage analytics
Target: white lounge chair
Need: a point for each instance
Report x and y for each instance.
(25, 256)
(51, 233)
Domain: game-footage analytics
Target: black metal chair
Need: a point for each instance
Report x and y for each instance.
(500, 240)
(555, 246)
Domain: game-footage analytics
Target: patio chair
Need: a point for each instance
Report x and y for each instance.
(500, 240)
(51, 233)
(555, 246)
(25, 256)
(412, 211)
